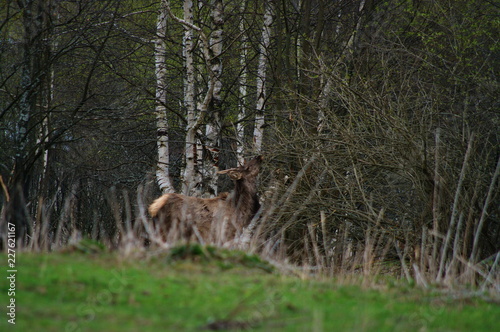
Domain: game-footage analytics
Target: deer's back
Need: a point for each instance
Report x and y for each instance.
(181, 213)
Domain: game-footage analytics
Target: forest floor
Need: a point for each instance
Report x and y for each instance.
(196, 289)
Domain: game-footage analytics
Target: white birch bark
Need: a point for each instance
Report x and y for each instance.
(243, 81)
(200, 147)
(258, 134)
(213, 126)
(162, 169)
(43, 134)
(195, 116)
(190, 176)
(47, 92)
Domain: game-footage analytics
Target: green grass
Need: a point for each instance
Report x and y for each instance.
(192, 291)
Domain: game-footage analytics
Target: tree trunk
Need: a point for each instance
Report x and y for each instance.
(213, 126)
(195, 116)
(162, 171)
(242, 101)
(258, 133)
(190, 177)
(36, 94)
(354, 37)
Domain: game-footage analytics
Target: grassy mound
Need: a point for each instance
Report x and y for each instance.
(194, 288)
(224, 258)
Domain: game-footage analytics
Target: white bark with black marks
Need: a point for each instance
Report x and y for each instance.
(243, 81)
(162, 169)
(213, 126)
(258, 134)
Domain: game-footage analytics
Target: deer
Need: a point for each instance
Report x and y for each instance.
(221, 218)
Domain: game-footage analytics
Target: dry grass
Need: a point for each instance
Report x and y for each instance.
(328, 245)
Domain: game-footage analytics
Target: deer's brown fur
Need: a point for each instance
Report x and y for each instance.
(219, 218)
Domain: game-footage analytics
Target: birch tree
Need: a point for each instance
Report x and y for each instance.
(195, 116)
(258, 134)
(243, 81)
(213, 125)
(162, 170)
(190, 175)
